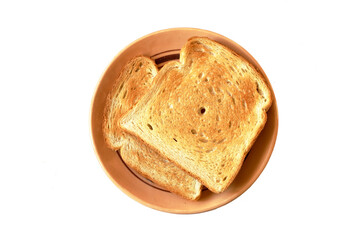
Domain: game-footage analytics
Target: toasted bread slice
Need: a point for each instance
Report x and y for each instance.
(151, 165)
(204, 112)
(134, 81)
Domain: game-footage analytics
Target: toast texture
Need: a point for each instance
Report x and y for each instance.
(151, 165)
(204, 112)
(135, 80)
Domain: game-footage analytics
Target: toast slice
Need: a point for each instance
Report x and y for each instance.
(204, 113)
(134, 81)
(152, 166)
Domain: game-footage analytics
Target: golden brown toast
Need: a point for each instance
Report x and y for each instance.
(135, 80)
(204, 113)
(152, 166)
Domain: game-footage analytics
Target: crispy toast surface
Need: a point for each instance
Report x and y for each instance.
(152, 166)
(135, 80)
(204, 112)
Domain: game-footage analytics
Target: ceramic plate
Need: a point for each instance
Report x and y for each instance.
(163, 46)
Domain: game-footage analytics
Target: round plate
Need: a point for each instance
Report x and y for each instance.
(163, 46)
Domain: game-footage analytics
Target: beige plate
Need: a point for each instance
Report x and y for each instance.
(163, 46)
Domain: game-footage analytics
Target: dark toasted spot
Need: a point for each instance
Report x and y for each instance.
(202, 110)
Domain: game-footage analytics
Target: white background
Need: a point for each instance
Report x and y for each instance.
(52, 56)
